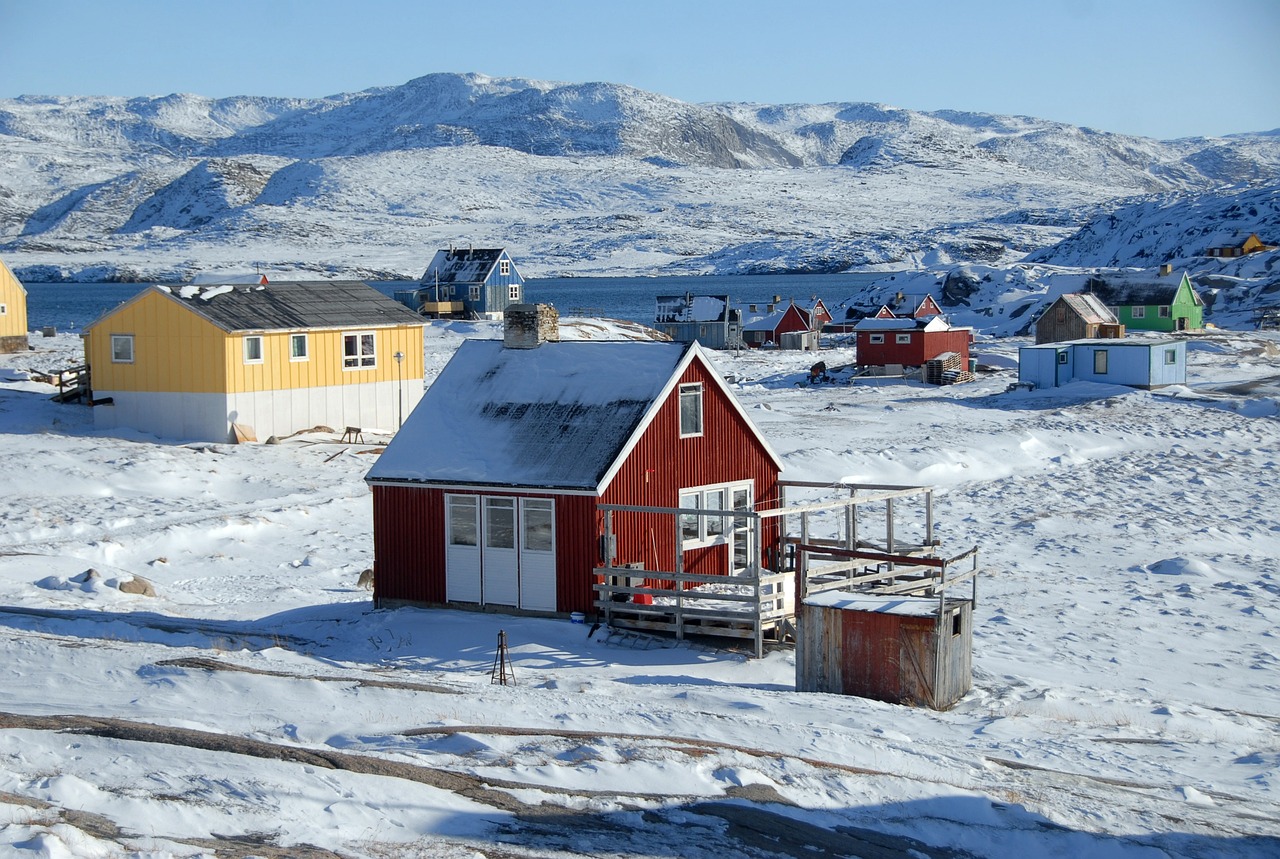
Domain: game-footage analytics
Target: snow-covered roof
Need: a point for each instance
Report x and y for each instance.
(462, 265)
(1088, 307)
(903, 323)
(900, 605)
(692, 308)
(556, 416)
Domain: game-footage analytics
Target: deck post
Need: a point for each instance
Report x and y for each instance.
(928, 518)
(608, 564)
(888, 528)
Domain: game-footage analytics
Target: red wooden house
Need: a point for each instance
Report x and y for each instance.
(908, 341)
(766, 323)
(488, 495)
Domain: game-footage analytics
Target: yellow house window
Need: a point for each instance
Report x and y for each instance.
(358, 350)
(298, 347)
(253, 349)
(4, 310)
(121, 348)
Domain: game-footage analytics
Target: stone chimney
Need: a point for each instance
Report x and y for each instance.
(528, 326)
(1166, 269)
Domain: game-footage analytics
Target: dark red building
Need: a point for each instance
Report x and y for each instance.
(908, 341)
(488, 495)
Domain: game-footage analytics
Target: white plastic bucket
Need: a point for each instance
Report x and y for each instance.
(577, 617)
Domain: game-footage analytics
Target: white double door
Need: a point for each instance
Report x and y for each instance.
(500, 550)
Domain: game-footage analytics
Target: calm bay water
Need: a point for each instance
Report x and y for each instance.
(72, 306)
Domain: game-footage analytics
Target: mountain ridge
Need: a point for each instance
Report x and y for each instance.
(573, 177)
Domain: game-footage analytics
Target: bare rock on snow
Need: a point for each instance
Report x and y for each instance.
(137, 585)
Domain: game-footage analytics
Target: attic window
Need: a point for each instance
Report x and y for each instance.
(121, 348)
(504, 267)
(358, 351)
(253, 349)
(691, 410)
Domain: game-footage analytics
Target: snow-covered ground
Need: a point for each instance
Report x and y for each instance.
(1127, 688)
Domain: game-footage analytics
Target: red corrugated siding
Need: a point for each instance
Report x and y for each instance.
(662, 464)
(408, 522)
(923, 346)
(408, 544)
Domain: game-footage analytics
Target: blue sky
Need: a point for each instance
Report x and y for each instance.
(1160, 68)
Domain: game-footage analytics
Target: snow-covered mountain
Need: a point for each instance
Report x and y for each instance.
(573, 178)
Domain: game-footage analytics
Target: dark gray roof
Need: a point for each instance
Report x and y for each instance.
(1122, 292)
(293, 304)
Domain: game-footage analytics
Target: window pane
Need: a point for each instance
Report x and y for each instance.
(366, 350)
(538, 526)
(690, 409)
(298, 346)
(1100, 361)
(689, 521)
(462, 521)
(253, 348)
(500, 523)
(714, 524)
(122, 349)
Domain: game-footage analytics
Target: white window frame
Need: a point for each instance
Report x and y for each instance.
(709, 530)
(474, 293)
(902, 339)
(359, 359)
(1165, 311)
(1171, 356)
(513, 292)
(249, 357)
(504, 267)
(692, 389)
(1138, 312)
(118, 340)
(876, 338)
(305, 340)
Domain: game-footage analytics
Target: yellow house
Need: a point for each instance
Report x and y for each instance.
(201, 362)
(13, 312)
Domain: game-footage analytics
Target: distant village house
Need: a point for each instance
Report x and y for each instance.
(1137, 363)
(1077, 316)
(708, 320)
(1233, 245)
(1163, 303)
(466, 283)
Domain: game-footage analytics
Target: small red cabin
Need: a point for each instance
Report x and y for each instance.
(908, 341)
(488, 495)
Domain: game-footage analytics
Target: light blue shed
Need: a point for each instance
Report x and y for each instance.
(1136, 363)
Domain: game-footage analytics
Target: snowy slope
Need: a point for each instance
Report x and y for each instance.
(1125, 705)
(573, 178)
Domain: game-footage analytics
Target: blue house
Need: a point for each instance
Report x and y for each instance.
(466, 283)
(1136, 363)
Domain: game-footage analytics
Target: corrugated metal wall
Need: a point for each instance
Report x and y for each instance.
(923, 346)
(408, 544)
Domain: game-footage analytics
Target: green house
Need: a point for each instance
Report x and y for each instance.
(1161, 303)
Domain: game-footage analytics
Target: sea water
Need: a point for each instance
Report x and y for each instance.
(72, 306)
